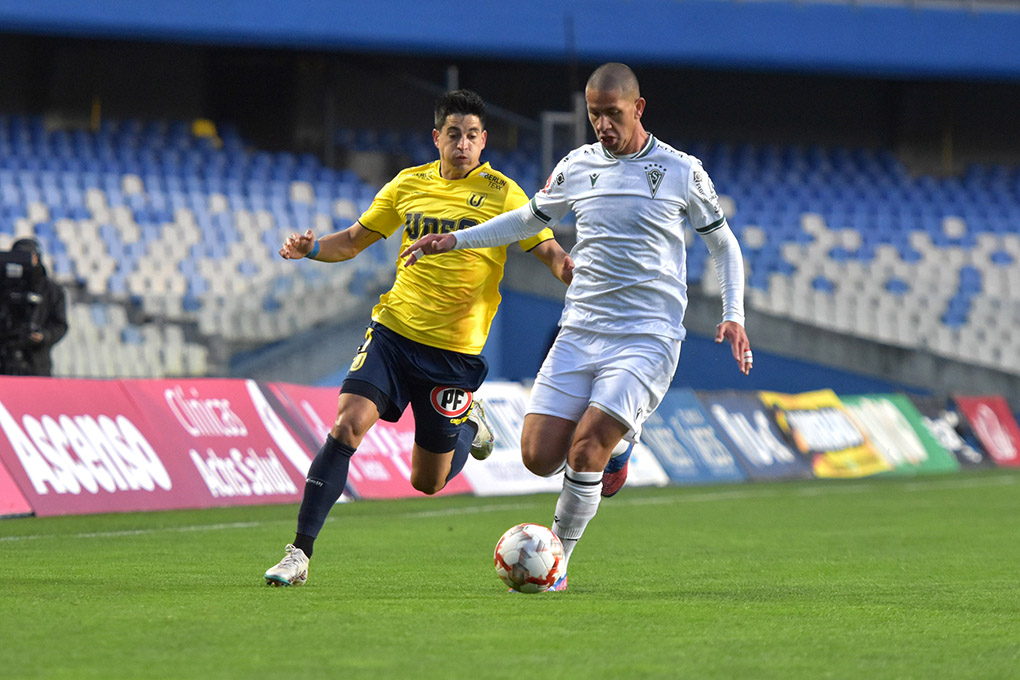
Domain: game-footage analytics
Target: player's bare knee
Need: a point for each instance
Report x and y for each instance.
(539, 464)
(588, 454)
(530, 460)
(428, 487)
(347, 432)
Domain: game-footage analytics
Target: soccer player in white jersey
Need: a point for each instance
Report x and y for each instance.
(622, 322)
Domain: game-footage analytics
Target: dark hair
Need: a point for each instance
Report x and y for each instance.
(459, 102)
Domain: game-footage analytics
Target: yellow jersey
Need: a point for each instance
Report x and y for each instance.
(445, 301)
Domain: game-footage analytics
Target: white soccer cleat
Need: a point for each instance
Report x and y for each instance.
(292, 570)
(481, 445)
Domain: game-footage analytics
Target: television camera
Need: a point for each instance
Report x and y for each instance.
(19, 305)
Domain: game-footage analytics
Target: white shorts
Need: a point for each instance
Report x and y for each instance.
(624, 375)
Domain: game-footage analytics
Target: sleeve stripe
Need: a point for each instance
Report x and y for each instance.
(711, 227)
(538, 213)
(539, 243)
(374, 231)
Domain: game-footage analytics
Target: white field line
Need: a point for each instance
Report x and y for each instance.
(747, 492)
(822, 489)
(469, 510)
(138, 532)
(720, 495)
(955, 483)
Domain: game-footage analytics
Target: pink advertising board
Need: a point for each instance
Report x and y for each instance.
(87, 446)
(381, 468)
(995, 425)
(12, 501)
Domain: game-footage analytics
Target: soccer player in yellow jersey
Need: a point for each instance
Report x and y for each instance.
(423, 344)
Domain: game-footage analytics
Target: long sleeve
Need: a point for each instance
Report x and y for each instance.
(509, 227)
(729, 267)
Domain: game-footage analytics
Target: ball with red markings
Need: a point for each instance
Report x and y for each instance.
(529, 558)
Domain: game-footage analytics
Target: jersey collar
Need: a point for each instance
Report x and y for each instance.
(482, 165)
(645, 150)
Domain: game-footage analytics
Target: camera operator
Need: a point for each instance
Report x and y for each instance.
(41, 319)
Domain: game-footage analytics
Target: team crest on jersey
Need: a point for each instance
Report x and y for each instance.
(476, 200)
(654, 174)
(451, 402)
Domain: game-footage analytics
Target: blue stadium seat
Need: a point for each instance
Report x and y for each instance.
(773, 187)
(823, 284)
(897, 286)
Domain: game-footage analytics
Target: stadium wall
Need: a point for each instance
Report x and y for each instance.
(298, 99)
(89, 446)
(898, 39)
(526, 324)
(524, 328)
(790, 356)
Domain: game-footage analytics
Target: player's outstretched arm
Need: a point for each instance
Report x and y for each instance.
(429, 244)
(516, 225)
(741, 346)
(336, 247)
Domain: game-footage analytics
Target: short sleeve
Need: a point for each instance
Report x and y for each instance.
(703, 210)
(552, 202)
(382, 216)
(515, 197)
(541, 237)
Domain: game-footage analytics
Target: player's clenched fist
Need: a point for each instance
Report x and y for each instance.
(429, 244)
(297, 246)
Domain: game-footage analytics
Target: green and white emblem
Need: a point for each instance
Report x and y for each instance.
(654, 174)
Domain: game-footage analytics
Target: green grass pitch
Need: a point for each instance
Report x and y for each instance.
(909, 578)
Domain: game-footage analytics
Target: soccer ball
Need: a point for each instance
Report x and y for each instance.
(529, 558)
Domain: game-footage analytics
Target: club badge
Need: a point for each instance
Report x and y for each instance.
(654, 174)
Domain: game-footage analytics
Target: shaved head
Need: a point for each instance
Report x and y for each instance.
(614, 77)
(615, 106)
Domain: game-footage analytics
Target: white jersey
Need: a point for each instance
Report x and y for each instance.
(630, 265)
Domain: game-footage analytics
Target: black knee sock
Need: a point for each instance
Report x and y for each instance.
(326, 478)
(461, 449)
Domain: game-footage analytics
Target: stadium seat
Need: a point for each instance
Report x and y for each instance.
(831, 235)
(944, 236)
(122, 209)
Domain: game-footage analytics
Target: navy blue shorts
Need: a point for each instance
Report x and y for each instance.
(393, 371)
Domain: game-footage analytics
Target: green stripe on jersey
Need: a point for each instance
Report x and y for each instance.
(645, 150)
(648, 147)
(711, 227)
(538, 213)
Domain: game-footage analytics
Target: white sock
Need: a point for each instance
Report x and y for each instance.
(578, 503)
(561, 468)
